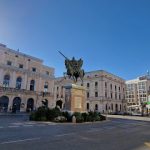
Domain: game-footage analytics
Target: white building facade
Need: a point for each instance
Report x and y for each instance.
(137, 90)
(24, 81)
(105, 92)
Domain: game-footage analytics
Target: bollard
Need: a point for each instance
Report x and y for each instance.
(73, 119)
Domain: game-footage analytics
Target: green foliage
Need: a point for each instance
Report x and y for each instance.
(102, 117)
(39, 114)
(79, 117)
(53, 113)
(85, 116)
(95, 116)
(45, 114)
(67, 116)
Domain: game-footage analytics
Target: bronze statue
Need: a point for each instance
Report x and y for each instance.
(73, 67)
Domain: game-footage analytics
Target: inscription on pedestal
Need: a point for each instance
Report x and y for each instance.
(78, 102)
(74, 98)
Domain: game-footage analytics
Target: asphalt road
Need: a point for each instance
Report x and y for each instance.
(17, 133)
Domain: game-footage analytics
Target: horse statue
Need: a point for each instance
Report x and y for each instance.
(73, 67)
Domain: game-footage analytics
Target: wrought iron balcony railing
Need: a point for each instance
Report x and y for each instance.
(23, 91)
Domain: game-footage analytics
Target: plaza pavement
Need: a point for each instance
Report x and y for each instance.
(17, 133)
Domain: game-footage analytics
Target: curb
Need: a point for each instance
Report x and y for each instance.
(129, 117)
(12, 114)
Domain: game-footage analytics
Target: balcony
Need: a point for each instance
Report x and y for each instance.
(9, 90)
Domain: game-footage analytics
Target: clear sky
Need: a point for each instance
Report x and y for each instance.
(113, 35)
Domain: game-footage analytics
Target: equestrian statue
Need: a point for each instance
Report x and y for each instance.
(73, 67)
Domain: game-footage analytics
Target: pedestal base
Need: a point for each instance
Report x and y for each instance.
(74, 98)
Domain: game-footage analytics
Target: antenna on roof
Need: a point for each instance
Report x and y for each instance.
(148, 73)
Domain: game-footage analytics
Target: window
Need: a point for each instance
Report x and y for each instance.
(123, 96)
(46, 87)
(88, 85)
(18, 83)
(96, 84)
(32, 85)
(96, 107)
(57, 88)
(120, 107)
(6, 80)
(87, 106)
(105, 94)
(111, 95)
(115, 95)
(57, 95)
(21, 66)
(106, 107)
(34, 69)
(119, 88)
(96, 94)
(47, 73)
(88, 94)
(9, 63)
(115, 88)
(119, 96)
(105, 84)
(112, 107)
(111, 86)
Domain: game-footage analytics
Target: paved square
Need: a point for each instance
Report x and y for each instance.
(18, 133)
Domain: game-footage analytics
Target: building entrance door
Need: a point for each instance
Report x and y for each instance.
(30, 104)
(4, 100)
(16, 104)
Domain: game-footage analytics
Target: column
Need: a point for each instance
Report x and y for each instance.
(13, 79)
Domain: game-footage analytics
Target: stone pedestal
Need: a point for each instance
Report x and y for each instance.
(74, 98)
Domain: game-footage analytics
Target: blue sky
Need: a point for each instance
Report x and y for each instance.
(113, 35)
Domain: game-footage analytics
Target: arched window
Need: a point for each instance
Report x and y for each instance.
(120, 107)
(112, 107)
(32, 85)
(106, 107)
(18, 83)
(6, 80)
(96, 107)
(116, 107)
(87, 105)
(59, 104)
(46, 87)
